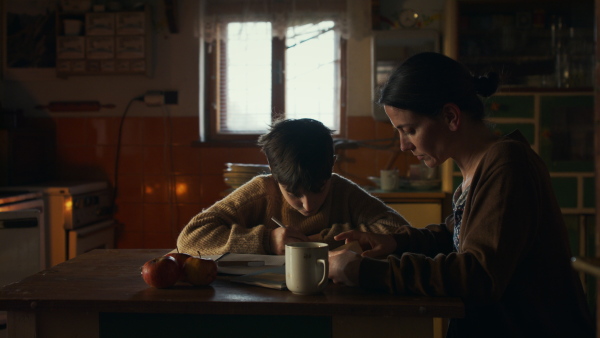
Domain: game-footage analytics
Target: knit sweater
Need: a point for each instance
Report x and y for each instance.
(512, 268)
(241, 222)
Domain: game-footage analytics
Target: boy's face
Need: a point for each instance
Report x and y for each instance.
(306, 202)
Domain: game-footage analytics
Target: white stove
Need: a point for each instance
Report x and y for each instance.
(77, 216)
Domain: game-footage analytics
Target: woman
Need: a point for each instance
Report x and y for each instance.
(504, 250)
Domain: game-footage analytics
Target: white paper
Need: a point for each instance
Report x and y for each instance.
(270, 262)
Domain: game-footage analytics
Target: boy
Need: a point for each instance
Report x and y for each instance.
(301, 192)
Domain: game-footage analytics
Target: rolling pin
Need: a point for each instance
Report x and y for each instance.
(63, 106)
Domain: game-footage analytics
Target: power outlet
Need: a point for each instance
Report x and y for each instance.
(154, 99)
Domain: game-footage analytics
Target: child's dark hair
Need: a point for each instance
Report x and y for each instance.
(425, 82)
(300, 153)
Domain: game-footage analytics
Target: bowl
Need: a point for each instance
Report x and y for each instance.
(376, 180)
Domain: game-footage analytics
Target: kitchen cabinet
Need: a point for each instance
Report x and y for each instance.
(390, 48)
(103, 43)
(420, 208)
(532, 44)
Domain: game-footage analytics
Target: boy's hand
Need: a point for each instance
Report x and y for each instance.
(281, 236)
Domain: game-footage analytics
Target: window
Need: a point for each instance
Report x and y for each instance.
(255, 75)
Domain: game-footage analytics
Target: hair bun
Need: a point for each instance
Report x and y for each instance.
(486, 85)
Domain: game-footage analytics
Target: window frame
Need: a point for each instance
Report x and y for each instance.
(213, 51)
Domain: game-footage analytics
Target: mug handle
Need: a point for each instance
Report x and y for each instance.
(325, 271)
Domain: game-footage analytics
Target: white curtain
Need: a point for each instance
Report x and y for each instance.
(351, 17)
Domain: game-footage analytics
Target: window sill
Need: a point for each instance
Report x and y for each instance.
(229, 144)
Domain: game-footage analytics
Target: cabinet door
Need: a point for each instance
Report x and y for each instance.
(419, 214)
(567, 133)
(390, 48)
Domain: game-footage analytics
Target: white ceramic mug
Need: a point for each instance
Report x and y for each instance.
(306, 267)
(389, 179)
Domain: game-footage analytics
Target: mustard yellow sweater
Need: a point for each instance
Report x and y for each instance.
(241, 222)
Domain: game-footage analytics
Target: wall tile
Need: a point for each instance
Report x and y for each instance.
(361, 127)
(131, 189)
(247, 155)
(130, 240)
(187, 129)
(71, 131)
(105, 157)
(213, 160)
(131, 159)
(157, 217)
(186, 160)
(156, 131)
(104, 130)
(129, 216)
(156, 188)
(185, 213)
(156, 159)
(131, 133)
(159, 240)
(213, 188)
(188, 189)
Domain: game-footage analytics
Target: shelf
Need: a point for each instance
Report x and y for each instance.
(587, 265)
(549, 42)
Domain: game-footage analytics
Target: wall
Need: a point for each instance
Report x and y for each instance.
(163, 178)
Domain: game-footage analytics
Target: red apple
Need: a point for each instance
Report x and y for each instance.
(161, 272)
(199, 271)
(180, 257)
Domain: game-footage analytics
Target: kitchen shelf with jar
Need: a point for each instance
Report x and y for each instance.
(533, 44)
(103, 43)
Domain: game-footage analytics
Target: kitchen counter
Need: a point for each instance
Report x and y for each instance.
(409, 195)
(419, 207)
(101, 294)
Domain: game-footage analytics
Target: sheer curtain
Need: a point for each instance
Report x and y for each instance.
(351, 17)
(311, 32)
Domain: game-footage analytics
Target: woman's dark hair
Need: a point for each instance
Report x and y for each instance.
(425, 82)
(300, 153)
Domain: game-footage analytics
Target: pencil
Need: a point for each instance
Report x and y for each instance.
(277, 222)
(223, 255)
(241, 263)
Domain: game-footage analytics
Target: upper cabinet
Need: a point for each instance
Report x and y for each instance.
(401, 29)
(103, 42)
(532, 44)
(390, 48)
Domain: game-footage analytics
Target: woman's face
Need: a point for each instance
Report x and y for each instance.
(423, 136)
(306, 202)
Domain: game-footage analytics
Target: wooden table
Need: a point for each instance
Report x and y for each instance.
(101, 294)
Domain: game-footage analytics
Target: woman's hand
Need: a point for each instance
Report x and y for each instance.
(344, 267)
(373, 245)
(281, 236)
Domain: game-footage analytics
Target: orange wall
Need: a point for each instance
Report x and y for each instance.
(157, 158)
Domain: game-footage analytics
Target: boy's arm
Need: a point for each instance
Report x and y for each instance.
(233, 224)
(211, 234)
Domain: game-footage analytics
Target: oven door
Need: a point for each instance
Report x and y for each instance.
(99, 235)
(20, 245)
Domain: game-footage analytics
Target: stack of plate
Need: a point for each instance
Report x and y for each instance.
(236, 174)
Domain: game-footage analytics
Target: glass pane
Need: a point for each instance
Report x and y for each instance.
(248, 78)
(311, 73)
(567, 132)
